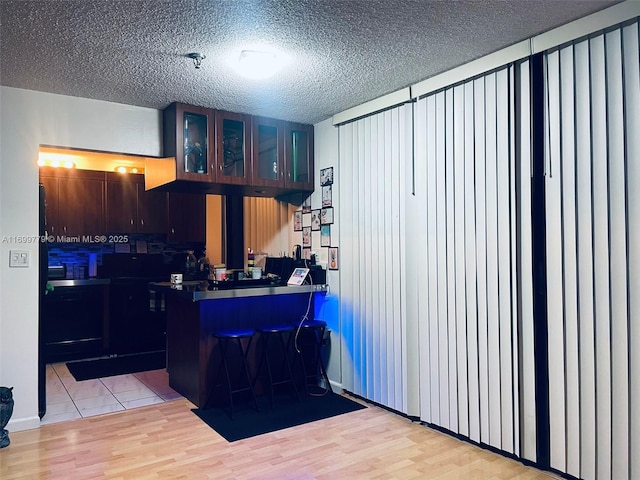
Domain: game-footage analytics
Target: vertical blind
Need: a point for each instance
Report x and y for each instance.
(468, 180)
(374, 154)
(593, 254)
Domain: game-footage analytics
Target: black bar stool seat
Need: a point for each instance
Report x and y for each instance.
(242, 381)
(309, 344)
(276, 357)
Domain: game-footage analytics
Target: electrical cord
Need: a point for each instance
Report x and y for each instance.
(302, 320)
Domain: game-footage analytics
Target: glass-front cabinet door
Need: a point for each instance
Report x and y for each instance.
(268, 152)
(188, 136)
(233, 140)
(299, 156)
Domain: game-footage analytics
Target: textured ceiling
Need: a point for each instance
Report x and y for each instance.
(342, 53)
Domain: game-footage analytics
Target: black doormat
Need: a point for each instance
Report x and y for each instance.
(287, 412)
(120, 365)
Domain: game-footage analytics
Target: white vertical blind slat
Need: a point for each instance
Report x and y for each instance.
(618, 257)
(586, 320)
(566, 170)
(631, 60)
(555, 313)
(601, 255)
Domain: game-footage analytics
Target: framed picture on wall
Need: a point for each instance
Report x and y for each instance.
(306, 253)
(315, 220)
(306, 205)
(326, 196)
(333, 258)
(297, 221)
(306, 236)
(326, 176)
(325, 236)
(326, 216)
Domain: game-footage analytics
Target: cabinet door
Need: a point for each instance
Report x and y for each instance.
(80, 207)
(51, 222)
(268, 152)
(152, 211)
(121, 205)
(189, 137)
(187, 221)
(299, 156)
(233, 141)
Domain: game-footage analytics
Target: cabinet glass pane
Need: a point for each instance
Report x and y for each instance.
(299, 156)
(268, 152)
(233, 140)
(195, 143)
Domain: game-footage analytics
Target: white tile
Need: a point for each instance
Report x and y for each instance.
(169, 396)
(57, 397)
(92, 412)
(94, 402)
(86, 389)
(60, 417)
(62, 407)
(142, 402)
(140, 392)
(122, 383)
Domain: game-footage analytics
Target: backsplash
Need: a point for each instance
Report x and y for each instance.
(75, 256)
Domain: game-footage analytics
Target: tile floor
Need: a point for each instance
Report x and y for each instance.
(68, 399)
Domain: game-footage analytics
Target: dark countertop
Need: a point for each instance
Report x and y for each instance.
(202, 290)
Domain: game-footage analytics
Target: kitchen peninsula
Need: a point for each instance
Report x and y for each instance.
(194, 311)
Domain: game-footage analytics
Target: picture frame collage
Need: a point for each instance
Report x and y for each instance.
(308, 220)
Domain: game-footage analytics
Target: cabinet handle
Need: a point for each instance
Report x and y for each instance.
(131, 221)
(173, 230)
(142, 221)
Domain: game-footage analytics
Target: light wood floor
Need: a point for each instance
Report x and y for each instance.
(167, 441)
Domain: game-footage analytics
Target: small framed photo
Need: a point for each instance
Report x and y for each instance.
(333, 258)
(326, 216)
(326, 196)
(297, 221)
(315, 220)
(306, 236)
(306, 253)
(326, 176)
(306, 205)
(325, 236)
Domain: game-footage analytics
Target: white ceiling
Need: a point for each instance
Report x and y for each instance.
(343, 53)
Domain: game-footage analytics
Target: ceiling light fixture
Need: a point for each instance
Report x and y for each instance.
(197, 59)
(259, 64)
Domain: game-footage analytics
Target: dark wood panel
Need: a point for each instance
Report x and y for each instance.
(121, 206)
(81, 206)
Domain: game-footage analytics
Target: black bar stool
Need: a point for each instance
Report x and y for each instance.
(241, 381)
(308, 344)
(275, 341)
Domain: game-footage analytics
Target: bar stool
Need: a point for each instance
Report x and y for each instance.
(242, 381)
(309, 342)
(275, 341)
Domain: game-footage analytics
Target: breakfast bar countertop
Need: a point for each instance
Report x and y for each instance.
(202, 290)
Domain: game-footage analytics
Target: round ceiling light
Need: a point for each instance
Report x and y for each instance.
(258, 64)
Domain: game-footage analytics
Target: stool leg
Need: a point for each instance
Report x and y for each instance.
(286, 347)
(246, 371)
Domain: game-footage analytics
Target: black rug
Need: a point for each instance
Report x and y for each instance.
(120, 365)
(287, 412)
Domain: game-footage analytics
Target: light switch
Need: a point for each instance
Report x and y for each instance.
(18, 258)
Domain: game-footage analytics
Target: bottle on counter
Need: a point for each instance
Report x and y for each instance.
(190, 266)
(203, 267)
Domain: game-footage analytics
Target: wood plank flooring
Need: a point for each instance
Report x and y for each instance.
(167, 441)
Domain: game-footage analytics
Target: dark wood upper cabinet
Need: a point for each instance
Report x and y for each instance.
(267, 166)
(298, 155)
(233, 148)
(75, 200)
(130, 209)
(187, 218)
(189, 136)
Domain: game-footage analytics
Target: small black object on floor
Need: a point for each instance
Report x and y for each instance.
(120, 365)
(287, 412)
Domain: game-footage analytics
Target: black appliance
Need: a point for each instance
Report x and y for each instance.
(280, 267)
(42, 288)
(135, 325)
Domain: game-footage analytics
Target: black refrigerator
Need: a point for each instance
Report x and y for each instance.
(42, 289)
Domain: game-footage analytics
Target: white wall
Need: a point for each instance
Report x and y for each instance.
(27, 120)
(326, 155)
